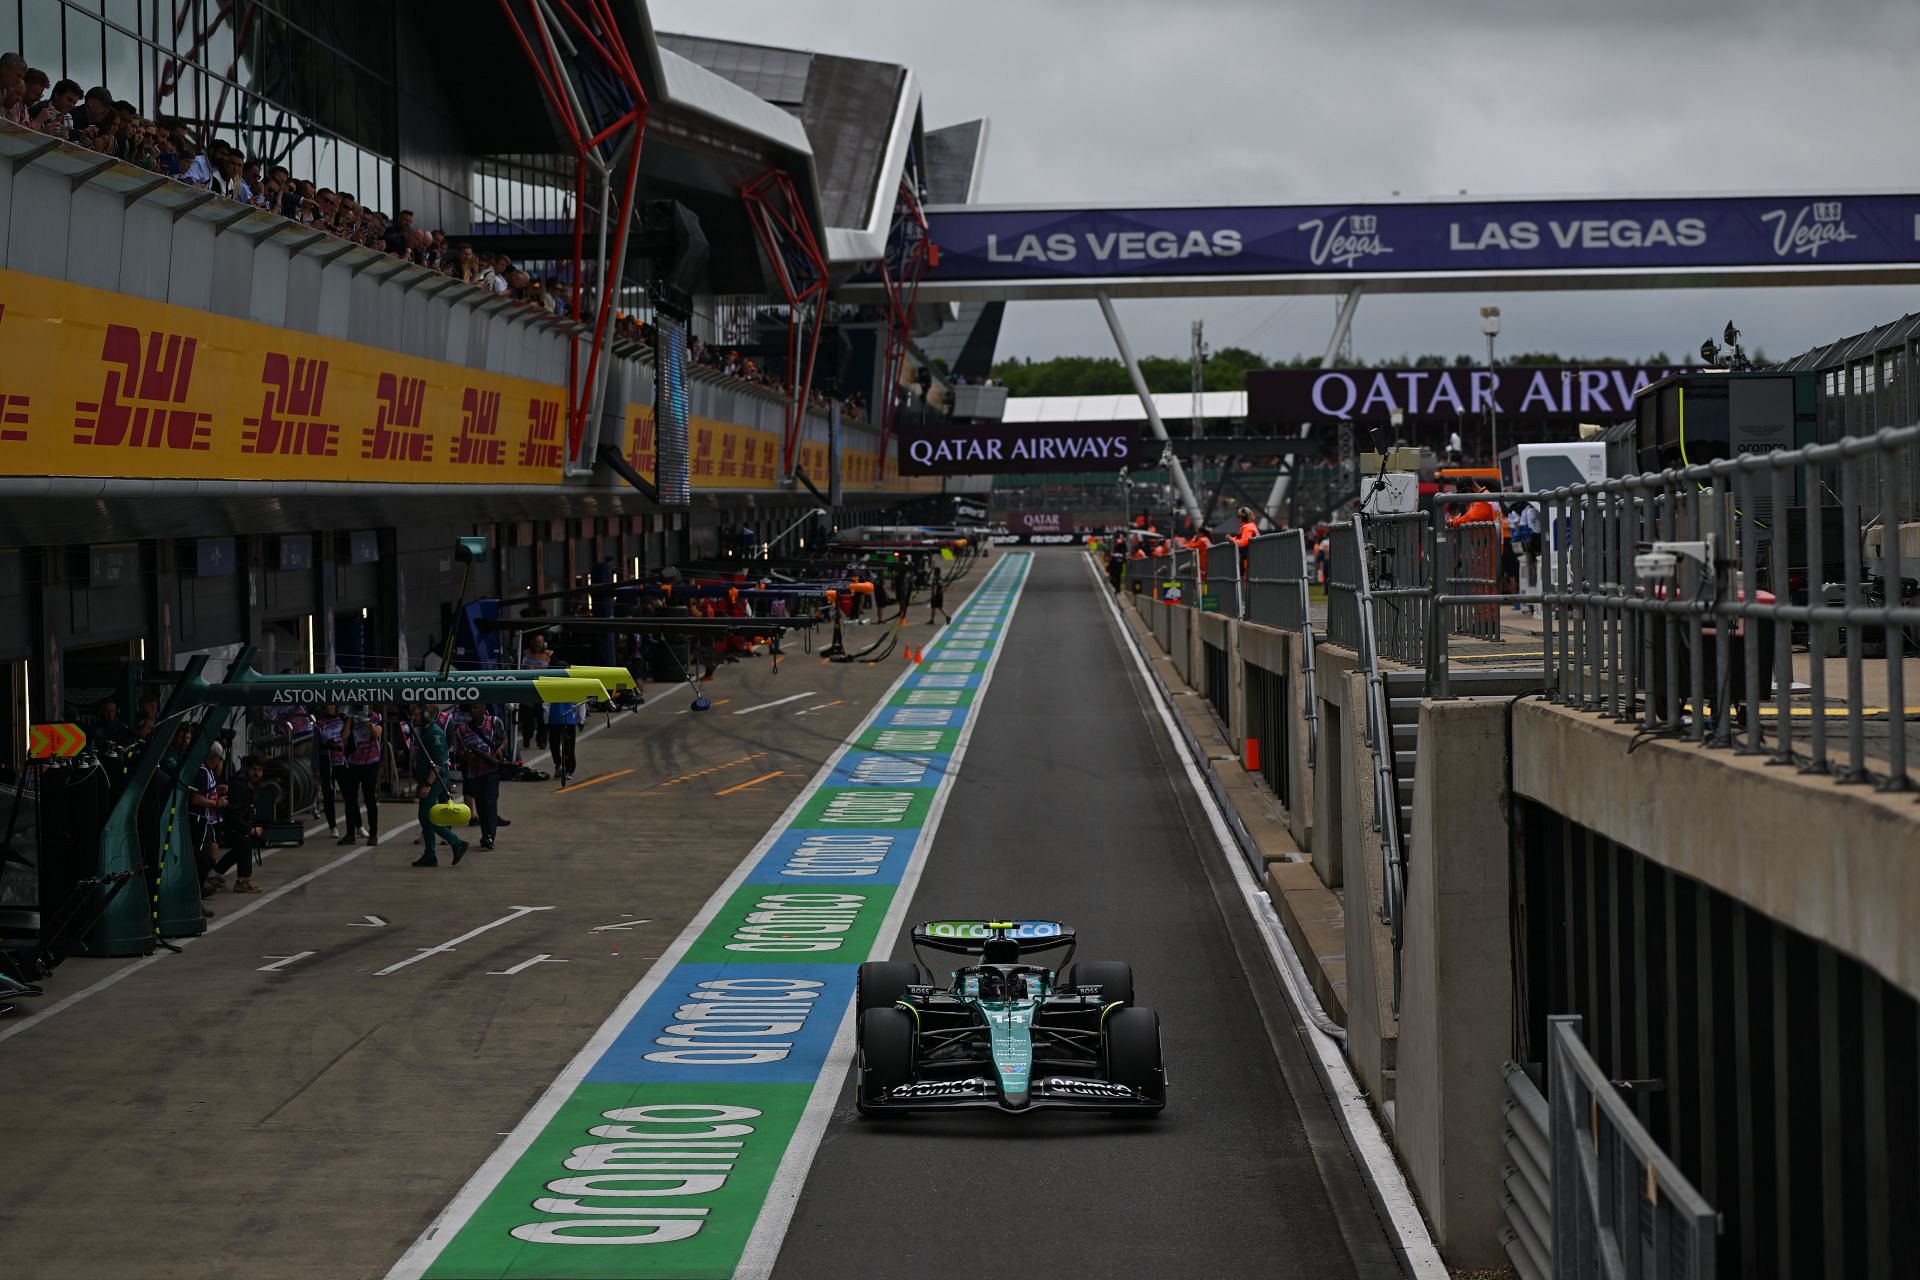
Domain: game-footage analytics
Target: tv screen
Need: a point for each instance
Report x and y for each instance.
(672, 417)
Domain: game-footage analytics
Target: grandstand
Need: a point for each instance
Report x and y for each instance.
(253, 397)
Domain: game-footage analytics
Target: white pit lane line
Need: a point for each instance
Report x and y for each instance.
(763, 1246)
(1376, 1156)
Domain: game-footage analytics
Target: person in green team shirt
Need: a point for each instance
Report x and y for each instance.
(428, 760)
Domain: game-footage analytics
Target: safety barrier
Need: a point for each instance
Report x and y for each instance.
(1622, 1210)
(1222, 580)
(1474, 569)
(1278, 582)
(1399, 575)
(1673, 600)
(1352, 606)
(1526, 1176)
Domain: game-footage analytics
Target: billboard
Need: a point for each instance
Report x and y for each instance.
(1544, 393)
(106, 384)
(672, 416)
(1032, 522)
(995, 448)
(1402, 238)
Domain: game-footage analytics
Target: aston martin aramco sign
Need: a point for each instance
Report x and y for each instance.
(1664, 241)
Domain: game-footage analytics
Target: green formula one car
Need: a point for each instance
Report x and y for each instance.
(1004, 1033)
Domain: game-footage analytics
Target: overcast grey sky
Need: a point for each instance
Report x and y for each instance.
(1237, 101)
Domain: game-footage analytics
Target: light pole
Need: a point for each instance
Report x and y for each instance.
(1490, 325)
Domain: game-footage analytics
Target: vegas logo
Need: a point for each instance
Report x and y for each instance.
(143, 398)
(1814, 227)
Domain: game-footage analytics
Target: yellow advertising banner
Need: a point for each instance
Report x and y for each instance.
(104, 384)
(94, 383)
(725, 456)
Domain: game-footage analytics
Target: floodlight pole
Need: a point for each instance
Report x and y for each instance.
(1342, 326)
(1153, 412)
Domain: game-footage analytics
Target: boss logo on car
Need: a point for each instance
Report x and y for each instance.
(1086, 1088)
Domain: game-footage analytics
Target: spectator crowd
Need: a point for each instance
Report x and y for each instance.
(94, 118)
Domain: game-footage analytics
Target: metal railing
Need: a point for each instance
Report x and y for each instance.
(1351, 608)
(1184, 569)
(1474, 569)
(1526, 1176)
(1621, 1208)
(1399, 572)
(1673, 599)
(1222, 580)
(1278, 582)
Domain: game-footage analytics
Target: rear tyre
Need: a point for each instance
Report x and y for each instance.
(1113, 977)
(886, 1054)
(1132, 1039)
(881, 982)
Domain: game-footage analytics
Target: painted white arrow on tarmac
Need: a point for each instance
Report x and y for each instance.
(371, 922)
(618, 924)
(280, 961)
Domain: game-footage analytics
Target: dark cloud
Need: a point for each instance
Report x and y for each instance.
(1284, 100)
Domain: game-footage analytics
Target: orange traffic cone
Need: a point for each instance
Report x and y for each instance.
(919, 655)
(907, 652)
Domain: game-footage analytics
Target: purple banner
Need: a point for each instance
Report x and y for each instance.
(1524, 393)
(1004, 449)
(1401, 237)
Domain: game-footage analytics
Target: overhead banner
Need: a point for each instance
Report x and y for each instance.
(1576, 393)
(105, 384)
(1020, 449)
(1617, 234)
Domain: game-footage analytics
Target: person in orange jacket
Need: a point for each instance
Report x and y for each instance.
(1479, 512)
(1249, 529)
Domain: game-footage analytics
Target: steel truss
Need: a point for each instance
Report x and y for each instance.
(583, 67)
(786, 237)
(909, 250)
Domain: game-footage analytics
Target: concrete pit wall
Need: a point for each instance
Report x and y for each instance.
(1457, 1008)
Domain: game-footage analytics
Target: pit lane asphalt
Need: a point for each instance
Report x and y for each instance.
(1071, 805)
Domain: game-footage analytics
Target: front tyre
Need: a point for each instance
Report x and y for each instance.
(1131, 1038)
(886, 1055)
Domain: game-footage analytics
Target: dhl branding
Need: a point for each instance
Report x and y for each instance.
(541, 447)
(13, 407)
(143, 400)
(479, 442)
(400, 423)
(292, 418)
(94, 383)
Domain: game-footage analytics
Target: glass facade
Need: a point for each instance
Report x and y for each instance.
(305, 84)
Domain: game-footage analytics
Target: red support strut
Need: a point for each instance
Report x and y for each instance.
(583, 67)
(908, 250)
(786, 238)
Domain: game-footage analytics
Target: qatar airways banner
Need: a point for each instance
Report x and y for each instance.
(1518, 235)
(1578, 393)
(1014, 449)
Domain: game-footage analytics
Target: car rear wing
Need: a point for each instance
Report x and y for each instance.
(969, 937)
